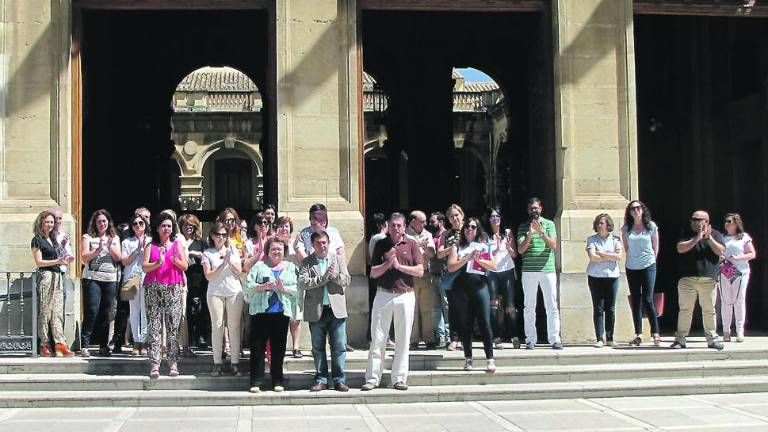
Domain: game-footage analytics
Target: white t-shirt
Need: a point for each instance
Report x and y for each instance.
(227, 282)
(334, 239)
(735, 246)
(103, 267)
(504, 262)
(372, 242)
(129, 245)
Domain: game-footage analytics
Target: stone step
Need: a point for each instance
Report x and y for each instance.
(419, 360)
(445, 377)
(561, 390)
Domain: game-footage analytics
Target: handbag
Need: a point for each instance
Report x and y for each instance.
(728, 270)
(130, 288)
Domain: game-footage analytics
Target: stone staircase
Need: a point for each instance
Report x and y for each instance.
(576, 372)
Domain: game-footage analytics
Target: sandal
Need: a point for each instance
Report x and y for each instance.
(174, 372)
(154, 371)
(636, 341)
(216, 370)
(297, 354)
(236, 372)
(657, 340)
(452, 346)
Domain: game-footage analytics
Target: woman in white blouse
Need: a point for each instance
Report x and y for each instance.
(739, 250)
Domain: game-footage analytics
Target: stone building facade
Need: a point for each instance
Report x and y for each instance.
(579, 116)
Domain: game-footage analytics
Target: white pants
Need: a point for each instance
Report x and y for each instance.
(386, 306)
(138, 316)
(733, 297)
(232, 306)
(548, 283)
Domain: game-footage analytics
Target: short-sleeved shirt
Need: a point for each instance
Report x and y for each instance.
(606, 269)
(700, 261)
(424, 235)
(226, 283)
(738, 246)
(334, 239)
(48, 252)
(538, 257)
(103, 267)
(504, 262)
(130, 245)
(408, 254)
(640, 254)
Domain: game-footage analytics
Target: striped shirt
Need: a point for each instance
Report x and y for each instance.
(538, 257)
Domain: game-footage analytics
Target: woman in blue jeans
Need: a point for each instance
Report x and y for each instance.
(640, 237)
(604, 251)
(472, 298)
(100, 252)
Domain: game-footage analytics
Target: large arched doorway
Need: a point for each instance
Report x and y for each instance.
(129, 79)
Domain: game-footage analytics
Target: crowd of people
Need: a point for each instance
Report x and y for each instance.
(434, 279)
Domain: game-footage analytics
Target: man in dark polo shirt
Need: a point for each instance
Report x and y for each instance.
(395, 262)
(699, 249)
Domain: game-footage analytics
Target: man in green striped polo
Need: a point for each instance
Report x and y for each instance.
(537, 241)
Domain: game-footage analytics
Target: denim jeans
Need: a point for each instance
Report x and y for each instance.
(440, 311)
(603, 292)
(473, 303)
(502, 286)
(98, 299)
(641, 287)
(335, 331)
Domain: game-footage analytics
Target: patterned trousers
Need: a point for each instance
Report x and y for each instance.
(163, 304)
(50, 293)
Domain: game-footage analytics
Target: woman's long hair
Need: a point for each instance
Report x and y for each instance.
(502, 226)
(739, 224)
(629, 220)
(192, 220)
(37, 227)
(163, 216)
(93, 232)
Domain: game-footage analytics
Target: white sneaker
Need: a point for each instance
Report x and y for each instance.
(467, 364)
(599, 344)
(490, 366)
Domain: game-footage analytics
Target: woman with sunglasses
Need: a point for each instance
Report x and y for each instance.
(640, 237)
(100, 252)
(472, 258)
(501, 281)
(739, 250)
(221, 264)
(254, 246)
(198, 318)
(445, 245)
(164, 262)
(132, 256)
(231, 221)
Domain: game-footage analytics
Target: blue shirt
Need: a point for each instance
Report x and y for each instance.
(274, 304)
(607, 269)
(640, 247)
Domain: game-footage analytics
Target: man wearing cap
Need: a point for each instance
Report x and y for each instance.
(699, 251)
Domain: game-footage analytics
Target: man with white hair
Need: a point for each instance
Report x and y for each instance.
(423, 320)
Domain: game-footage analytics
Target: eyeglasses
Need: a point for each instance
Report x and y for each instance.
(601, 223)
(472, 227)
(263, 223)
(494, 218)
(636, 208)
(138, 223)
(698, 219)
(189, 226)
(166, 227)
(729, 221)
(220, 235)
(229, 221)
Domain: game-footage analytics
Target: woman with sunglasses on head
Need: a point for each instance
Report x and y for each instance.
(640, 237)
(198, 318)
(100, 252)
(50, 288)
(221, 264)
(445, 244)
(501, 281)
(164, 262)
(739, 250)
(132, 255)
(472, 258)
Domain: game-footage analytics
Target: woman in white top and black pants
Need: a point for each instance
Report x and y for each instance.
(501, 280)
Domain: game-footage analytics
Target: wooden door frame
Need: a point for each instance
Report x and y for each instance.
(419, 6)
(78, 6)
(688, 8)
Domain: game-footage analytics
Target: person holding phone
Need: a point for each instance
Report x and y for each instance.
(699, 251)
(271, 292)
(222, 267)
(536, 242)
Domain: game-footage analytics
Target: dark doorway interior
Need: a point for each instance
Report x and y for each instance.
(702, 92)
(411, 55)
(132, 62)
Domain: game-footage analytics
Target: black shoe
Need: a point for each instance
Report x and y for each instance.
(414, 346)
(348, 348)
(104, 352)
(678, 345)
(431, 345)
(716, 344)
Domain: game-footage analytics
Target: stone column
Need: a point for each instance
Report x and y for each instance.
(317, 115)
(35, 148)
(596, 143)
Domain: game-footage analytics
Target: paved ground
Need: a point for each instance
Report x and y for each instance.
(742, 412)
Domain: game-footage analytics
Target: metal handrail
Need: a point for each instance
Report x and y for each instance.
(21, 340)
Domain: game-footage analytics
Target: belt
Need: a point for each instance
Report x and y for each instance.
(396, 290)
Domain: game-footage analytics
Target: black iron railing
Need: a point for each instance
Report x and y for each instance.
(18, 312)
